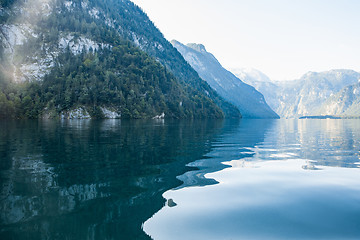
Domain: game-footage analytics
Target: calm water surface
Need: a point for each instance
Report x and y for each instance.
(112, 179)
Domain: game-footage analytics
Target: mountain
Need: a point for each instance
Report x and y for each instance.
(95, 58)
(250, 75)
(315, 93)
(250, 102)
(344, 103)
(304, 97)
(261, 83)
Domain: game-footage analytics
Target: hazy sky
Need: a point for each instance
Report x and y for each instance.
(282, 38)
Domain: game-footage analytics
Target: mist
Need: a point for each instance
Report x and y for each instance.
(19, 25)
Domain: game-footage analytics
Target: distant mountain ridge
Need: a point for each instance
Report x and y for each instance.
(260, 82)
(344, 103)
(250, 102)
(250, 75)
(334, 92)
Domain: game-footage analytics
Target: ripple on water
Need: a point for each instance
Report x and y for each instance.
(271, 189)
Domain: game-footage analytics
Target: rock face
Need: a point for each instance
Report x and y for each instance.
(333, 92)
(250, 102)
(262, 83)
(110, 113)
(250, 75)
(77, 113)
(345, 103)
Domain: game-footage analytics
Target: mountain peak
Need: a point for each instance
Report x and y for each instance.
(250, 75)
(196, 47)
(250, 102)
(335, 72)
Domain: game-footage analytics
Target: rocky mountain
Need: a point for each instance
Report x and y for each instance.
(250, 102)
(250, 75)
(95, 58)
(261, 83)
(344, 103)
(315, 93)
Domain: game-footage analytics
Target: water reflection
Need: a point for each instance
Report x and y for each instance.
(298, 179)
(92, 179)
(103, 179)
(231, 144)
(328, 142)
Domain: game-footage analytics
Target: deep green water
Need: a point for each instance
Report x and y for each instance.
(115, 179)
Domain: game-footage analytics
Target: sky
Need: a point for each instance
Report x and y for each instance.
(282, 38)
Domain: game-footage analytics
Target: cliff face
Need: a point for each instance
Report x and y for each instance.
(250, 102)
(344, 103)
(305, 96)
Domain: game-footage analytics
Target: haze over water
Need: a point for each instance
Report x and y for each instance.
(255, 179)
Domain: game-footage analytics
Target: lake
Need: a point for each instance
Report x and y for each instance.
(168, 179)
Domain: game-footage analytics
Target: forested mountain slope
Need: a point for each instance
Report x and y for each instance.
(95, 59)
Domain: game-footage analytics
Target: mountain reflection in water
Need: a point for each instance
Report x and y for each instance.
(301, 181)
(214, 179)
(87, 179)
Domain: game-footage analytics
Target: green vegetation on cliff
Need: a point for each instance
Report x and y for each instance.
(123, 77)
(113, 69)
